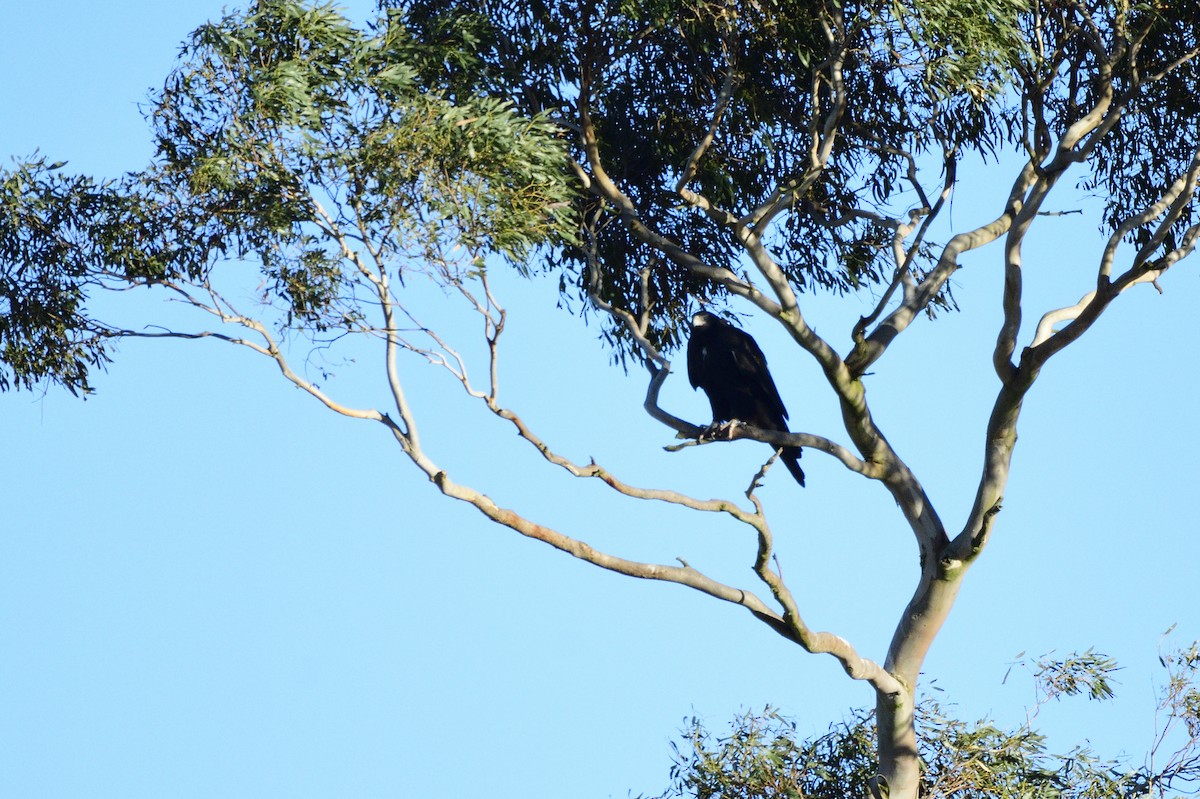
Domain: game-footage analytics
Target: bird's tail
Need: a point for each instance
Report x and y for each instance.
(791, 459)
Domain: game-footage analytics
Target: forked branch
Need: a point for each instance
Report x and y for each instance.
(1145, 268)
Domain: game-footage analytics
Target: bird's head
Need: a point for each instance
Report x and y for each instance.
(702, 318)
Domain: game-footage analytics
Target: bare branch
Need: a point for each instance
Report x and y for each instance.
(658, 376)
(815, 642)
(1179, 195)
(904, 258)
(1171, 67)
(1028, 191)
(741, 430)
(1045, 328)
(271, 350)
(493, 328)
(715, 213)
(595, 470)
(1173, 203)
(871, 348)
(1148, 274)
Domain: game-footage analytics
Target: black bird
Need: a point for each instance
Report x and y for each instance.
(727, 363)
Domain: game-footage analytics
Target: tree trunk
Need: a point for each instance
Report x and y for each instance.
(899, 762)
(897, 733)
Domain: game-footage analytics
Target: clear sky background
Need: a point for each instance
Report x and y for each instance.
(212, 586)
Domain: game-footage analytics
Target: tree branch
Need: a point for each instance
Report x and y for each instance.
(822, 132)
(719, 109)
(600, 183)
(1173, 203)
(904, 259)
(815, 642)
(872, 348)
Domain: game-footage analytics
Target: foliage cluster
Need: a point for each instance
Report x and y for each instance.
(289, 137)
(650, 73)
(45, 332)
(896, 88)
(763, 757)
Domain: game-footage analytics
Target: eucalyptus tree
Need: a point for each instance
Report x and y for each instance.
(655, 155)
(755, 153)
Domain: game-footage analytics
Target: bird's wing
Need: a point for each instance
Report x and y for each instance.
(752, 364)
(695, 358)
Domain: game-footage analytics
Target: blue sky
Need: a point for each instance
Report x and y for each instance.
(212, 586)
